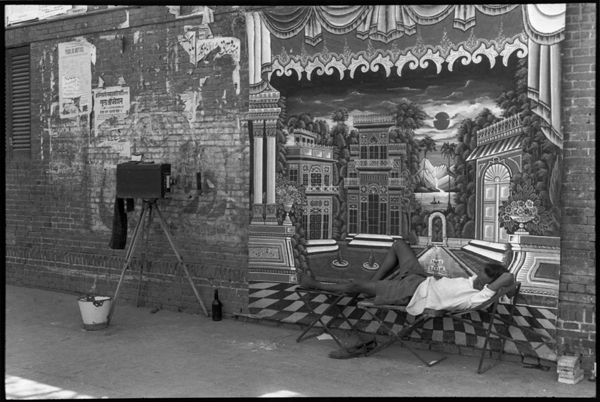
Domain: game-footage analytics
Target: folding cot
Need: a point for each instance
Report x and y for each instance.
(333, 302)
(491, 324)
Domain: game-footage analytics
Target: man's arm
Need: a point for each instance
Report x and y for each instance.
(506, 279)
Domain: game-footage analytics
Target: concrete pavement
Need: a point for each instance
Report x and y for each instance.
(168, 354)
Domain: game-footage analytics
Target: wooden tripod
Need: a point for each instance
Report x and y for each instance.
(147, 207)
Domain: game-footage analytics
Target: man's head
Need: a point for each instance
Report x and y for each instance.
(490, 273)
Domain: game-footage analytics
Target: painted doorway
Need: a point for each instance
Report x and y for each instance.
(496, 189)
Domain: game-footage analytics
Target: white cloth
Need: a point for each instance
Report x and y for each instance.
(448, 294)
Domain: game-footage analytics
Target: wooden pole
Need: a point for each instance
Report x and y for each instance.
(146, 235)
(128, 257)
(166, 230)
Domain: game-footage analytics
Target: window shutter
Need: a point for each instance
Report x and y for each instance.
(18, 102)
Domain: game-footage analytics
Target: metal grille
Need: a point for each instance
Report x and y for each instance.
(18, 113)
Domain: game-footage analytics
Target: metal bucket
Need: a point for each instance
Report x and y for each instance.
(94, 311)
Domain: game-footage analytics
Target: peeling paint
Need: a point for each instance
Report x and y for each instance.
(125, 24)
(188, 43)
(51, 73)
(49, 130)
(175, 10)
(41, 141)
(123, 148)
(206, 13)
(198, 49)
(53, 107)
(192, 99)
(203, 31)
(176, 48)
(226, 46)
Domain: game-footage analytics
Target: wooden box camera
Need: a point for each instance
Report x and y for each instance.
(143, 180)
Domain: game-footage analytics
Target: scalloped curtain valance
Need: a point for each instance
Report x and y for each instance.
(543, 24)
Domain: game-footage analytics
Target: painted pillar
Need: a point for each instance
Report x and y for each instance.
(257, 208)
(271, 206)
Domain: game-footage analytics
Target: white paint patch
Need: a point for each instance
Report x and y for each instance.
(125, 24)
(53, 107)
(202, 31)
(175, 10)
(100, 82)
(176, 58)
(52, 74)
(108, 37)
(122, 147)
(42, 139)
(192, 99)
(206, 13)
(188, 43)
(136, 37)
(121, 81)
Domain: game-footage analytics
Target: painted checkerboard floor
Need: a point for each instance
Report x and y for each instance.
(279, 302)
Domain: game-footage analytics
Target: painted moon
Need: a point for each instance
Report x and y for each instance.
(441, 121)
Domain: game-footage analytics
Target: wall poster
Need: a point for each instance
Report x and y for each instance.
(110, 102)
(75, 78)
(439, 124)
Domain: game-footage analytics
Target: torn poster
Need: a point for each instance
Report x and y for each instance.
(75, 78)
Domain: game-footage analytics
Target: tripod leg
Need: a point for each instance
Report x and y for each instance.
(166, 230)
(128, 257)
(145, 237)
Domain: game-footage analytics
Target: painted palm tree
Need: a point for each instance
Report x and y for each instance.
(449, 151)
(427, 144)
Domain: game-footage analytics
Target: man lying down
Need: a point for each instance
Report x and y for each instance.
(418, 290)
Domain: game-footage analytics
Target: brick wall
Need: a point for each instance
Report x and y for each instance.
(577, 298)
(59, 204)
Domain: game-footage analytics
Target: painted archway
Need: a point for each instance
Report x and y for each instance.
(441, 216)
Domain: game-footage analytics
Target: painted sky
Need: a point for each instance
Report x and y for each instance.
(459, 97)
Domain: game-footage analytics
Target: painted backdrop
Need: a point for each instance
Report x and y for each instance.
(436, 124)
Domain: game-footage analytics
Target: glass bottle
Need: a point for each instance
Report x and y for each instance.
(216, 307)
